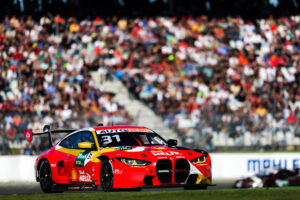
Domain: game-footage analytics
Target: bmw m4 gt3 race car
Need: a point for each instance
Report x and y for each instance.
(118, 157)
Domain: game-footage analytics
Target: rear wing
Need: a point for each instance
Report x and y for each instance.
(29, 133)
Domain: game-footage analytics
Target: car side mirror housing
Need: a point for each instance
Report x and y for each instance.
(172, 142)
(85, 145)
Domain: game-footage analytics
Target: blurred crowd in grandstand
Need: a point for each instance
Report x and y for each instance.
(224, 82)
(45, 80)
(217, 82)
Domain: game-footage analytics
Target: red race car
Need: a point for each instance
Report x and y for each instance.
(118, 157)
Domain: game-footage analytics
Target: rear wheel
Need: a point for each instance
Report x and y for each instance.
(106, 176)
(45, 177)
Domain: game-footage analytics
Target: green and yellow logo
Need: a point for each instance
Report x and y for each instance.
(83, 158)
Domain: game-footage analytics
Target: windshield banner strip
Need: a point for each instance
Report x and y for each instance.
(139, 130)
(111, 131)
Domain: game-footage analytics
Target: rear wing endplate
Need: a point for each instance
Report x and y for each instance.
(29, 133)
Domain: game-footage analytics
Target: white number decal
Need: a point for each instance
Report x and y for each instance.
(107, 139)
(117, 138)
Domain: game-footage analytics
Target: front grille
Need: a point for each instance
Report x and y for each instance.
(182, 170)
(164, 171)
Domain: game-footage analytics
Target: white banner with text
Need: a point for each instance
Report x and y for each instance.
(224, 165)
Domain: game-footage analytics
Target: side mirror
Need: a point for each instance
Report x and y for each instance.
(172, 142)
(85, 145)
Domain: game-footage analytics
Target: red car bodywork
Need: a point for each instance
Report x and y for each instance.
(170, 165)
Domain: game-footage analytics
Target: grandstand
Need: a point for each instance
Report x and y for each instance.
(220, 84)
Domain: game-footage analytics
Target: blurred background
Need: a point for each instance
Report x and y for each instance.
(215, 74)
(219, 75)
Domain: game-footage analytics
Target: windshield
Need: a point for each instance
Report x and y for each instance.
(130, 139)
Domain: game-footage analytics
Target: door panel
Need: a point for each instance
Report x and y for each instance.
(77, 163)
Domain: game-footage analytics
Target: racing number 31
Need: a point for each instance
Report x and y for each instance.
(107, 139)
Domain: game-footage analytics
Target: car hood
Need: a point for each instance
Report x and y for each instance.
(152, 152)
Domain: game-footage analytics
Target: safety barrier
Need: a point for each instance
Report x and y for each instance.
(224, 165)
(17, 168)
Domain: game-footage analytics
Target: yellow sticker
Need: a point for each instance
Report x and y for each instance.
(159, 147)
(74, 174)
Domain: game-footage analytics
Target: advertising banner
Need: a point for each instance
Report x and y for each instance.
(224, 165)
(236, 165)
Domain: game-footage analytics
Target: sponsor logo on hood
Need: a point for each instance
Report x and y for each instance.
(166, 153)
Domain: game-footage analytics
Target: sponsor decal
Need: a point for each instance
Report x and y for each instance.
(142, 130)
(124, 148)
(73, 174)
(168, 153)
(162, 158)
(111, 131)
(180, 157)
(201, 164)
(118, 171)
(83, 158)
(85, 178)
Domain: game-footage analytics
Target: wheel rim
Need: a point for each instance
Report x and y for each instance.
(106, 177)
(45, 176)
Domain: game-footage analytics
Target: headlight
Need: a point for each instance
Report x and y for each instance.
(199, 160)
(130, 161)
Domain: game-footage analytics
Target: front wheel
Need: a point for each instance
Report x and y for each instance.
(106, 176)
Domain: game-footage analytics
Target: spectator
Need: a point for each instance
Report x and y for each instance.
(225, 74)
(27, 150)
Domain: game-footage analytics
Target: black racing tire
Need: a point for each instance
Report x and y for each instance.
(45, 177)
(106, 176)
(195, 187)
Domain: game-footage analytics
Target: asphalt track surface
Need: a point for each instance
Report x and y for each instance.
(33, 188)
